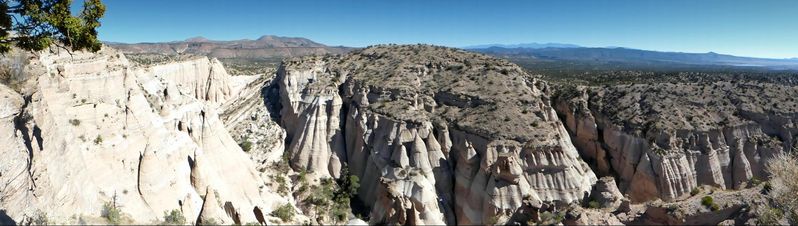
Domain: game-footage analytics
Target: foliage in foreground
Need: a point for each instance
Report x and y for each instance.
(37, 24)
(783, 186)
(174, 217)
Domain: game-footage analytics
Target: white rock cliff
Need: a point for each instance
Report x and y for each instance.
(98, 130)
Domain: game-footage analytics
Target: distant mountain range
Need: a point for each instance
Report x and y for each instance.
(636, 57)
(265, 47)
(524, 45)
(275, 48)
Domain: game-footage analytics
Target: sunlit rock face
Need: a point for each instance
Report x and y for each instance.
(663, 140)
(436, 135)
(96, 129)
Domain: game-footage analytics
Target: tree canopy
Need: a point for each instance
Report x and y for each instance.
(36, 24)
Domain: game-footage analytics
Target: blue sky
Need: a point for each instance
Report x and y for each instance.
(766, 28)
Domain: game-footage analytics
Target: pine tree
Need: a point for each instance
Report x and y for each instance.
(36, 24)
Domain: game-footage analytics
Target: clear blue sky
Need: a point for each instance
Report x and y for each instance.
(761, 28)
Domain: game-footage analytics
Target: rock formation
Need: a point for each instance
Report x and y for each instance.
(606, 193)
(436, 135)
(93, 130)
(663, 140)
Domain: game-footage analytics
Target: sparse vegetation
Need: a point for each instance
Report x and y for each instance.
(492, 220)
(245, 145)
(74, 122)
(549, 218)
(769, 216)
(284, 212)
(174, 217)
(210, 221)
(707, 201)
(783, 185)
(98, 140)
(695, 191)
(594, 204)
(282, 184)
(331, 200)
(112, 213)
(755, 181)
(40, 218)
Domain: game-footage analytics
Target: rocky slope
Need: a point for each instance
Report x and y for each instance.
(92, 129)
(662, 140)
(436, 135)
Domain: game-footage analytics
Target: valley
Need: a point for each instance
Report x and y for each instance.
(407, 134)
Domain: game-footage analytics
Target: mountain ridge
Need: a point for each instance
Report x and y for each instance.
(637, 56)
(265, 47)
(533, 45)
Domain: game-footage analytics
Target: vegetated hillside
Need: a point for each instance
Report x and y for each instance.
(238, 55)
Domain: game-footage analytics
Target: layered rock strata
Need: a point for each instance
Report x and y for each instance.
(436, 135)
(96, 130)
(663, 140)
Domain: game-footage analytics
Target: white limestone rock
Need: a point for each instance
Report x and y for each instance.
(96, 129)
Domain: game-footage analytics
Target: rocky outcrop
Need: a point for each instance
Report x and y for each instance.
(435, 135)
(200, 78)
(606, 193)
(98, 130)
(250, 119)
(737, 207)
(663, 140)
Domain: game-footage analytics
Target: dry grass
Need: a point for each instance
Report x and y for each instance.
(784, 185)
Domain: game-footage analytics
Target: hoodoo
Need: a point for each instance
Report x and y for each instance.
(436, 135)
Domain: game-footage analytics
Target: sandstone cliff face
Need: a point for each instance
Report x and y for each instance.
(148, 140)
(429, 144)
(663, 140)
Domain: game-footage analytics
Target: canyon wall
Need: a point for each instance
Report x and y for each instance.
(664, 140)
(96, 129)
(420, 144)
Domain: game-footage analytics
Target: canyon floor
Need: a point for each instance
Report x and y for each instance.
(388, 134)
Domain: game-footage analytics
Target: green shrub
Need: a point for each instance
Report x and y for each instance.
(492, 220)
(549, 218)
(349, 183)
(98, 140)
(302, 175)
(40, 218)
(112, 213)
(767, 187)
(74, 122)
(594, 204)
(783, 185)
(755, 181)
(246, 145)
(284, 212)
(707, 201)
(695, 191)
(769, 216)
(210, 221)
(714, 207)
(341, 211)
(174, 217)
